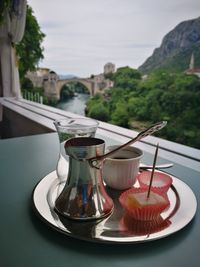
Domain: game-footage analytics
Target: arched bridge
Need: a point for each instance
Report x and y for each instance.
(88, 83)
(53, 85)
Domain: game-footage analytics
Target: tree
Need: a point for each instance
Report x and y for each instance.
(3, 6)
(29, 50)
(27, 84)
(120, 115)
(126, 77)
(174, 97)
(99, 112)
(66, 92)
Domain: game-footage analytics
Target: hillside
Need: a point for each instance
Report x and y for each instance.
(176, 49)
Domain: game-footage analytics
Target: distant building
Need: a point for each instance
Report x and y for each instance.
(100, 79)
(192, 69)
(40, 76)
(191, 65)
(109, 68)
(102, 82)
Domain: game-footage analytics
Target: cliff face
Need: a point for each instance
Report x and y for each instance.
(176, 48)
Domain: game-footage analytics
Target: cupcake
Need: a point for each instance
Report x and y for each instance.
(135, 227)
(143, 208)
(161, 181)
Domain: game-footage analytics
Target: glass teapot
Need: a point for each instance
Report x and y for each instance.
(70, 128)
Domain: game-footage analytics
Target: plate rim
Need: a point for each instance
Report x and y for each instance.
(52, 176)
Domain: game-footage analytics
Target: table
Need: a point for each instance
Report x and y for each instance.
(26, 241)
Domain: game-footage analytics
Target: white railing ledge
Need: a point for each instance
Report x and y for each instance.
(168, 145)
(47, 114)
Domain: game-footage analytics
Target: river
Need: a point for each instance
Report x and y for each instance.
(76, 104)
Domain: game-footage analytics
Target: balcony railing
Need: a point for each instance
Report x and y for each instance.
(22, 117)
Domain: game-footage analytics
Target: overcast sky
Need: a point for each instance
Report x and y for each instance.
(83, 35)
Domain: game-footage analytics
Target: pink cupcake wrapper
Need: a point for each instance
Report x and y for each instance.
(137, 227)
(145, 213)
(157, 176)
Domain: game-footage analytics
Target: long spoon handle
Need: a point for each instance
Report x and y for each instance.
(154, 128)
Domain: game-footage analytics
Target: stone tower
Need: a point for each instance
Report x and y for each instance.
(191, 65)
(109, 68)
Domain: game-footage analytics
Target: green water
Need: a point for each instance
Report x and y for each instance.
(75, 105)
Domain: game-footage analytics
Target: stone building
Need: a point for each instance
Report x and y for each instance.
(40, 76)
(109, 68)
(192, 69)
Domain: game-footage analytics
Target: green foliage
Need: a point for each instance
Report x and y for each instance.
(120, 115)
(29, 50)
(27, 84)
(137, 108)
(4, 5)
(162, 96)
(97, 108)
(66, 92)
(109, 76)
(80, 88)
(126, 72)
(126, 78)
(99, 112)
(50, 102)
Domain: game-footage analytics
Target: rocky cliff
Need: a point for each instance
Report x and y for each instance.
(176, 49)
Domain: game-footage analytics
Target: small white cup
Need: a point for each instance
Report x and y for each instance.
(121, 169)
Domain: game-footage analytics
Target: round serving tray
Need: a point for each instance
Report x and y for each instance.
(118, 227)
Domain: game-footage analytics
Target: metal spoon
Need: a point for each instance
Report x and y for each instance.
(154, 128)
(160, 166)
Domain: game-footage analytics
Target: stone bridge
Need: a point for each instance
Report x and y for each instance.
(53, 85)
(88, 83)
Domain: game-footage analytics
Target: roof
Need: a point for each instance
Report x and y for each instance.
(193, 70)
